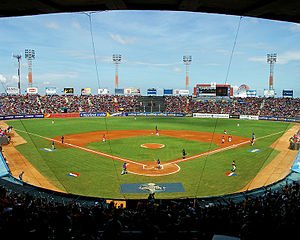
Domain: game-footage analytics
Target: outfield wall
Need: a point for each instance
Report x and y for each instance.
(148, 114)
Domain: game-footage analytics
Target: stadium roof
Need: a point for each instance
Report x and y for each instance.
(269, 9)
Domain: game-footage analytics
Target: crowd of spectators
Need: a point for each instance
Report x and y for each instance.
(35, 104)
(273, 215)
(295, 141)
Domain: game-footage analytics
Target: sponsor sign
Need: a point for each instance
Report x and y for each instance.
(69, 91)
(12, 90)
(251, 93)
(119, 91)
(100, 114)
(50, 90)
(287, 93)
(32, 90)
(168, 92)
(249, 117)
(269, 93)
(86, 91)
(151, 92)
(235, 116)
(184, 92)
(21, 116)
(103, 91)
(127, 91)
(207, 115)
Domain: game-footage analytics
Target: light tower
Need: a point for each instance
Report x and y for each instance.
(29, 55)
(18, 56)
(187, 61)
(271, 58)
(117, 60)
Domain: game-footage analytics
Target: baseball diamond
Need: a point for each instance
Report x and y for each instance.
(97, 163)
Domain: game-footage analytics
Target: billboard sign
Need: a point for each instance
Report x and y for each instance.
(127, 91)
(86, 91)
(251, 93)
(119, 91)
(184, 92)
(32, 90)
(12, 90)
(103, 91)
(168, 92)
(287, 93)
(69, 91)
(50, 90)
(151, 92)
(269, 93)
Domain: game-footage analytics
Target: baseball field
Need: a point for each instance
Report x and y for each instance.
(87, 165)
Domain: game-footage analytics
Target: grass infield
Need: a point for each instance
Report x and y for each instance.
(100, 176)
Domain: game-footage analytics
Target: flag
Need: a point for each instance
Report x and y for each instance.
(231, 174)
(73, 174)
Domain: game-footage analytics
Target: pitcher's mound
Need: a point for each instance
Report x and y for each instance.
(153, 145)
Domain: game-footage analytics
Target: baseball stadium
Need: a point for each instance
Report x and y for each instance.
(215, 162)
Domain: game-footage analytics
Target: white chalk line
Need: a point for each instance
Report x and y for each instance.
(83, 148)
(219, 150)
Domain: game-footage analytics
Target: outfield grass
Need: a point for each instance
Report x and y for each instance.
(101, 177)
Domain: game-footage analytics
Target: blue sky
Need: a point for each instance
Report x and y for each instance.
(152, 44)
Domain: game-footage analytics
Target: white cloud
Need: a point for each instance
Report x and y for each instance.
(288, 57)
(177, 69)
(46, 83)
(52, 25)
(76, 25)
(122, 40)
(15, 78)
(257, 59)
(2, 78)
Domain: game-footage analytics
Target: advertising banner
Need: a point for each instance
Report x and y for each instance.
(103, 91)
(168, 92)
(119, 91)
(32, 90)
(249, 117)
(151, 92)
(251, 93)
(86, 91)
(287, 93)
(269, 93)
(99, 114)
(50, 90)
(69, 91)
(21, 116)
(12, 90)
(184, 92)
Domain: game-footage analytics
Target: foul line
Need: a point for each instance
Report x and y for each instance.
(83, 148)
(219, 150)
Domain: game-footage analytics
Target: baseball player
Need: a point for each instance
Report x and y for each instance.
(124, 168)
(158, 164)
